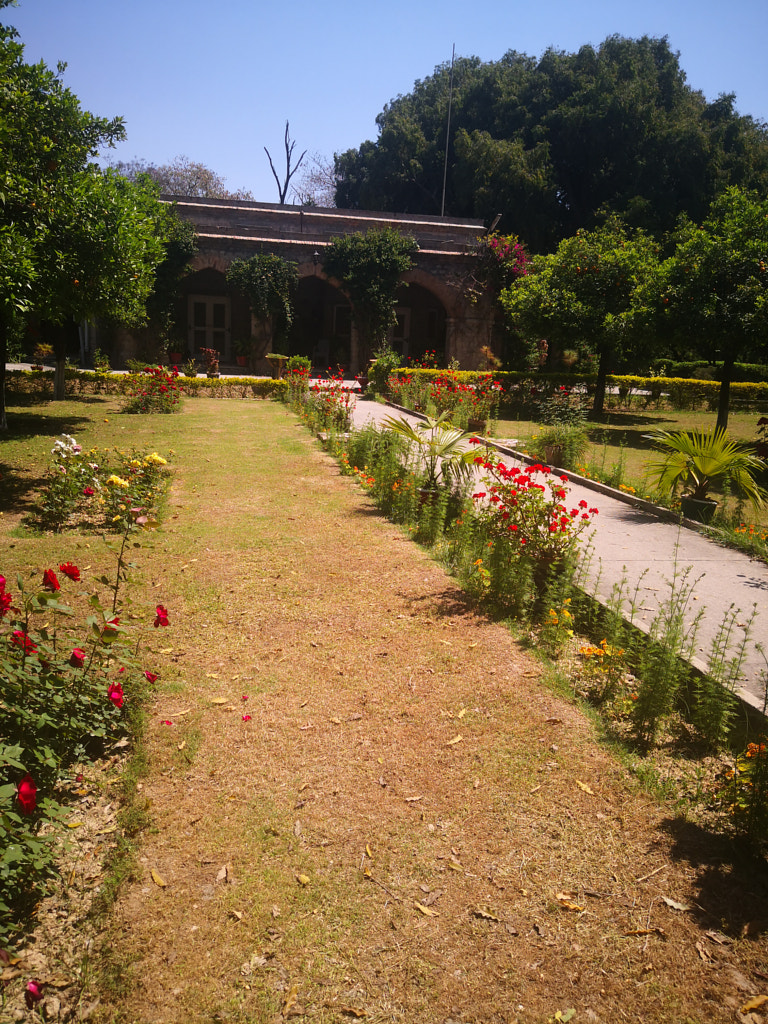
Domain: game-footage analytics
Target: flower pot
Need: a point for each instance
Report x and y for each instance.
(175, 357)
(242, 360)
(428, 495)
(476, 424)
(553, 454)
(701, 510)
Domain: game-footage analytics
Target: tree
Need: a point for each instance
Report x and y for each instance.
(269, 282)
(317, 184)
(712, 293)
(555, 143)
(181, 177)
(74, 241)
(290, 145)
(369, 267)
(586, 294)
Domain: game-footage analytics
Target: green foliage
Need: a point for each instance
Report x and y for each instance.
(555, 141)
(369, 268)
(381, 369)
(440, 453)
(586, 294)
(698, 459)
(65, 681)
(269, 283)
(563, 444)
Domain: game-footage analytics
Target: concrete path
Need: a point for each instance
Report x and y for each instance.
(634, 544)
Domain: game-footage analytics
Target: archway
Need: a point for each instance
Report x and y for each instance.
(322, 324)
(421, 324)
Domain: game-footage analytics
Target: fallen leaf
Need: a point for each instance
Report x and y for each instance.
(454, 865)
(583, 786)
(565, 899)
(352, 1011)
(719, 938)
(705, 955)
(211, 675)
(462, 713)
(553, 721)
(485, 913)
(236, 914)
(412, 799)
(426, 911)
(336, 721)
(368, 851)
(754, 1003)
(303, 879)
(158, 880)
(74, 824)
(219, 700)
(456, 739)
(674, 904)
(290, 999)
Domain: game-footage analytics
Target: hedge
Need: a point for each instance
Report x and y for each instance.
(91, 382)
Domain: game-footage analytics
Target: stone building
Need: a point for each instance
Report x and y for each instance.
(434, 311)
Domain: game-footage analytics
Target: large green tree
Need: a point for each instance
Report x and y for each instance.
(369, 268)
(74, 241)
(554, 143)
(711, 295)
(585, 295)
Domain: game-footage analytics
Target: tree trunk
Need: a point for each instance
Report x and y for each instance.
(602, 375)
(724, 399)
(3, 356)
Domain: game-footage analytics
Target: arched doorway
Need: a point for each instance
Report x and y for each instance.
(210, 315)
(421, 324)
(322, 324)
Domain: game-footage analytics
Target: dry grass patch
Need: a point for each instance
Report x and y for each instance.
(411, 827)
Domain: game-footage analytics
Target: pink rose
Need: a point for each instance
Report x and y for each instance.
(115, 694)
(77, 658)
(26, 793)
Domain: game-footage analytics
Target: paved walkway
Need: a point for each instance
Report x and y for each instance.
(632, 543)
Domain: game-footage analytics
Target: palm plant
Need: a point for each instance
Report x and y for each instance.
(697, 460)
(443, 451)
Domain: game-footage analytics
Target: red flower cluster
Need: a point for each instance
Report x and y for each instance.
(20, 639)
(26, 794)
(517, 505)
(5, 599)
(161, 617)
(70, 570)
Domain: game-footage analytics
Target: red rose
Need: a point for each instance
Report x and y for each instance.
(70, 570)
(88, 492)
(115, 694)
(20, 639)
(151, 677)
(26, 793)
(33, 994)
(161, 618)
(50, 582)
(77, 658)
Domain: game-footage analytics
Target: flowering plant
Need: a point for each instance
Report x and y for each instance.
(107, 489)
(67, 685)
(527, 508)
(330, 403)
(155, 389)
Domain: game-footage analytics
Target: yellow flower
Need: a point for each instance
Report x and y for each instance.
(117, 481)
(156, 460)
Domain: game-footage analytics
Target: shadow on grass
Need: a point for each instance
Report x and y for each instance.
(732, 883)
(22, 425)
(17, 492)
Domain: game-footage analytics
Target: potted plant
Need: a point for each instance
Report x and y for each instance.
(563, 445)
(211, 357)
(696, 460)
(175, 351)
(242, 347)
(442, 451)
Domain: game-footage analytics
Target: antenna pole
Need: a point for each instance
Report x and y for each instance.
(448, 131)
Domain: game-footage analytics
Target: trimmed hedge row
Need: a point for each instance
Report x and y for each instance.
(88, 382)
(681, 393)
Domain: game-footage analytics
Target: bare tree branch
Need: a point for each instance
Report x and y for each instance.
(282, 190)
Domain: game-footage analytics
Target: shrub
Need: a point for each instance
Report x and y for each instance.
(153, 390)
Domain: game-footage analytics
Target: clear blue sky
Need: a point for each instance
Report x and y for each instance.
(216, 81)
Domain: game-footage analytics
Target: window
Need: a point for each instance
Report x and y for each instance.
(208, 323)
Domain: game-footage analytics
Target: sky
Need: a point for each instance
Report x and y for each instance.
(216, 81)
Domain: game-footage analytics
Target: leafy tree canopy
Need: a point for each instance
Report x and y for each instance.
(553, 143)
(369, 267)
(269, 283)
(711, 295)
(585, 294)
(181, 177)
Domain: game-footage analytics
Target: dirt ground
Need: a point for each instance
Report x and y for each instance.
(370, 806)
